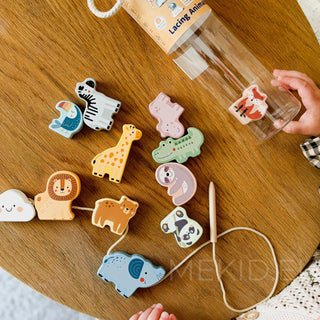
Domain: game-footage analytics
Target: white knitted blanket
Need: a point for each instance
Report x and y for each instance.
(298, 301)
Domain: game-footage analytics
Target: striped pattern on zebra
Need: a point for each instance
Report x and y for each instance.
(99, 108)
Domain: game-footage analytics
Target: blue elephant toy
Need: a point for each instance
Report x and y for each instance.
(129, 272)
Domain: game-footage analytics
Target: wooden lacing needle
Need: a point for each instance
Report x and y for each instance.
(213, 218)
(212, 213)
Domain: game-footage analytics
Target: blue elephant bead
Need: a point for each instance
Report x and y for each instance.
(129, 272)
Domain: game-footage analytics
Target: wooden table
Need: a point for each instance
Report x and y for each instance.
(49, 46)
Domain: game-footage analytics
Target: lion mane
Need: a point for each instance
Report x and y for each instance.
(63, 176)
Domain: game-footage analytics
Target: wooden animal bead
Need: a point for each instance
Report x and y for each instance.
(179, 149)
(251, 106)
(115, 214)
(186, 231)
(129, 272)
(16, 207)
(70, 121)
(167, 113)
(99, 108)
(55, 203)
(179, 180)
(113, 160)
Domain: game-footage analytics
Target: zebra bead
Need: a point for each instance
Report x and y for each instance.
(99, 108)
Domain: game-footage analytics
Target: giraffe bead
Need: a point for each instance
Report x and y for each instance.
(117, 156)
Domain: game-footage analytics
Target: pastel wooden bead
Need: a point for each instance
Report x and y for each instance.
(251, 106)
(129, 272)
(179, 180)
(99, 108)
(55, 203)
(16, 207)
(113, 160)
(115, 214)
(167, 114)
(186, 230)
(70, 121)
(179, 149)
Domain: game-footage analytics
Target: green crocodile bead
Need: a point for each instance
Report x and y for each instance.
(179, 149)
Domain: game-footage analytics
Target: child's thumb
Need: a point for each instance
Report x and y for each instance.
(295, 127)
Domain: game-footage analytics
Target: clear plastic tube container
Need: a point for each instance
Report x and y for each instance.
(203, 47)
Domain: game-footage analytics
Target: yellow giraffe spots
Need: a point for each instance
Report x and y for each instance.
(115, 165)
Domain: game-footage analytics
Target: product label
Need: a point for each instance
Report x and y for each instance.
(167, 21)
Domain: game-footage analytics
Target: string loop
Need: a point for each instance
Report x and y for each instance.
(106, 14)
(224, 295)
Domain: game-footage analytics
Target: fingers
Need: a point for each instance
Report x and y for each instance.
(153, 313)
(156, 312)
(309, 122)
(164, 316)
(145, 315)
(295, 80)
(281, 86)
(293, 74)
(293, 127)
(302, 86)
(136, 316)
(309, 94)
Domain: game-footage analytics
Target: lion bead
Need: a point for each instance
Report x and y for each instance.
(55, 203)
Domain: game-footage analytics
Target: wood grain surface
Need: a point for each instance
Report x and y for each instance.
(49, 46)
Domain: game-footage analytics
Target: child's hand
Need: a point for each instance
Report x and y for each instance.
(153, 313)
(309, 123)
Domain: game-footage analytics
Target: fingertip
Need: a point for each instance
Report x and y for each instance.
(156, 311)
(278, 124)
(172, 317)
(164, 316)
(145, 314)
(288, 130)
(276, 72)
(281, 79)
(294, 127)
(136, 316)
